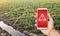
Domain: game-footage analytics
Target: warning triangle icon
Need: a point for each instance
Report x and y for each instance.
(42, 18)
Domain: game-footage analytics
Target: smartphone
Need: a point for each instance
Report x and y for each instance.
(42, 18)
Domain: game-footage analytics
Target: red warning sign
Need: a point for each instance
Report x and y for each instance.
(42, 17)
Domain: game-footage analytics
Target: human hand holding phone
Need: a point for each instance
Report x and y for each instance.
(50, 25)
(50, 31)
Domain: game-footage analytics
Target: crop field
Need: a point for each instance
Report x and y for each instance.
(20, 14)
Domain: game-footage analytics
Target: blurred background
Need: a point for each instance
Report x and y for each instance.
(20, 14)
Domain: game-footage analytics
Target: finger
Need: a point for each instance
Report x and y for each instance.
(35, 20)
(35, 24)
(36, 15)
(50, 18)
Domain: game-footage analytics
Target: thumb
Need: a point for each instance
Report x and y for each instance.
(36, 25)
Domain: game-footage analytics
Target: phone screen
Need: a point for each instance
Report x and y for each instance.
(42, 18)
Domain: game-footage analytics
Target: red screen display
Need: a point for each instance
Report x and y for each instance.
(42, 18)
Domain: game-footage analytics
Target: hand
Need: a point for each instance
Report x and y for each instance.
(50, 25)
